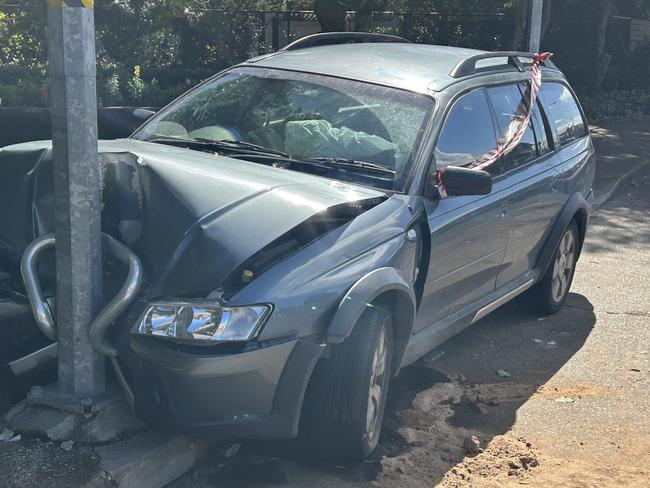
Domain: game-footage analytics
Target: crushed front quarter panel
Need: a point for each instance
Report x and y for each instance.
(192, 217)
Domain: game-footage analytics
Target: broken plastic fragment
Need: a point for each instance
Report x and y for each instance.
(565, 400)
(6, 434)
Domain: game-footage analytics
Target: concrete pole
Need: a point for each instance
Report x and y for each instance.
(536, 12)
(73, 99)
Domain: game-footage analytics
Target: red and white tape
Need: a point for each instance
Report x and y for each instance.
(521, 119)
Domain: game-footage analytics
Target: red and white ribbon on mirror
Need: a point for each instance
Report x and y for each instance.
(521, 119)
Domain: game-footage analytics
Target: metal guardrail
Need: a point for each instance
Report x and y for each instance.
(118, 305)
(44, 314)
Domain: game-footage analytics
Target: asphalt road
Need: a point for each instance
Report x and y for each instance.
(572, 404)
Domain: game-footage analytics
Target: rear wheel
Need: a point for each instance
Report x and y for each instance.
(345, 403)
(549, 295)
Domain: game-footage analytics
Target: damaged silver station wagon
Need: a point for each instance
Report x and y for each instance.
(309, 222)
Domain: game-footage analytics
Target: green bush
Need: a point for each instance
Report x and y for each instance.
(21, 86)
(115, 88)
(617, 104)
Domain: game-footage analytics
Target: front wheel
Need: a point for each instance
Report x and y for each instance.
(345, 403)
(549, 295)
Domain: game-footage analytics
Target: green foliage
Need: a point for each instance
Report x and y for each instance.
(617, 104)
(135, 85)
(113, 95)
(177, 43)
(23, 86)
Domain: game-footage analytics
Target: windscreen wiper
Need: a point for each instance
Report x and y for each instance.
(247, 148)
(351, 163)
(228, 146)
(235, 145)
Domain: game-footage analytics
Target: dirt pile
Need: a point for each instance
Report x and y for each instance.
(434, 435)
(504, 457)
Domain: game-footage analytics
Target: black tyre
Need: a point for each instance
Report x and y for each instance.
(549, 295)
(346, 399)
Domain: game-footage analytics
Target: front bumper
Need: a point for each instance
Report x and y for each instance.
(249, 395)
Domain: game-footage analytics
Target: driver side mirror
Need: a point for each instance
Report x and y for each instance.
(143, 113)
(454, 181)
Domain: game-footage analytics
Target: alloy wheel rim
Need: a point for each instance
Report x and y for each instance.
(376, 388)
(563, 266)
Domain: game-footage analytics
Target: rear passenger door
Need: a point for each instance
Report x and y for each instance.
(574, 151)
(530, 180)
(468, 233)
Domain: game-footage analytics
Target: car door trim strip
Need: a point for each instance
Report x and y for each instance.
(502, 301)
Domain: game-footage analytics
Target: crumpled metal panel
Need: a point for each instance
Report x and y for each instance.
(192, 217)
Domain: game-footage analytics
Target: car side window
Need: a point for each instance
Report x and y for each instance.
(510, 102)
(562, 111)
(468, 133)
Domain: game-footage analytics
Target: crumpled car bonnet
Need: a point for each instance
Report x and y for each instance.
(195, 219)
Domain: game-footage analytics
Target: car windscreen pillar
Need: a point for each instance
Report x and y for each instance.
(73, 99)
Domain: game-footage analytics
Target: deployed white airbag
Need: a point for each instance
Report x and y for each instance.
(318, 138)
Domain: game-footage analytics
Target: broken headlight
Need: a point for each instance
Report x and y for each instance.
(201, 322)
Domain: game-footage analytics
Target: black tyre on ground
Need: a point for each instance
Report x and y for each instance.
(345, 402)
(549, 295)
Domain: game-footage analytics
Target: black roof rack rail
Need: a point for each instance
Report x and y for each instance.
(332, 38)
(467, 67)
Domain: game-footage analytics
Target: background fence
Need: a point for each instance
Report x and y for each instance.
(147, 57)
(481, 31)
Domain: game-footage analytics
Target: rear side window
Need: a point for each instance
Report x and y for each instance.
(468, 132)
(510, 103)
(563, 112)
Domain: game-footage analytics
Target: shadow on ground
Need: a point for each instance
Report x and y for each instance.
(621, 148)
(473, 385)
(623, 221)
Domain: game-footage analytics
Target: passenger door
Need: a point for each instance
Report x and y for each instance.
(530, 180)
(469, 233)
(574, 151)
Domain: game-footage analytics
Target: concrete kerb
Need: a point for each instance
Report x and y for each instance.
(128, 454)
(150, 459)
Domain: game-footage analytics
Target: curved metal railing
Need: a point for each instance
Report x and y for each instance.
(44, 314)
(118, 305)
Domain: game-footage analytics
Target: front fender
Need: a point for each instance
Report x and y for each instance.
(382, 282)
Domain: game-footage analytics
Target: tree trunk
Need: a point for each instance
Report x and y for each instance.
(185, 40)
(365, 9)
(331, 15)
(521, 22)
(601, 59)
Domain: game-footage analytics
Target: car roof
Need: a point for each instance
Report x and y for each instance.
(421, 68)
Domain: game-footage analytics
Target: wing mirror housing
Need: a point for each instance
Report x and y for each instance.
(454, 181)
(143, 113)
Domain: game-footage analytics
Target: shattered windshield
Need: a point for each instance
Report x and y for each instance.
(307, 118)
